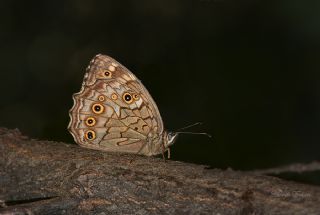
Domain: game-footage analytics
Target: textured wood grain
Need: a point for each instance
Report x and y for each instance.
(46, 177)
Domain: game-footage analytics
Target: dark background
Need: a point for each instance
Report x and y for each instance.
(249, 70)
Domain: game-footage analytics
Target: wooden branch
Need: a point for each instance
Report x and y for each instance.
(46, 177)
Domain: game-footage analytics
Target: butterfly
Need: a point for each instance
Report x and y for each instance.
(115, 112)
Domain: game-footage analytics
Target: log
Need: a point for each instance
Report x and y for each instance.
(48, 177)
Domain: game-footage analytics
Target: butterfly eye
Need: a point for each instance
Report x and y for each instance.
(136, 96)
(97, 108)
(90, 121)
(90, 135)
(107, 74)
(127, 98)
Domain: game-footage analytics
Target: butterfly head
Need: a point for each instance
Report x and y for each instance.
(170, 138)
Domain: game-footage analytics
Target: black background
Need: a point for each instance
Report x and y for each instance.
(249, 70)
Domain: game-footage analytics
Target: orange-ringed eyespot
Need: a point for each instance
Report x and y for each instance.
(136, 96)
(101, 98)
(114, 96)
(90, 121)
(127, 98)
(90, 135)
(107, 74)
(97, 108)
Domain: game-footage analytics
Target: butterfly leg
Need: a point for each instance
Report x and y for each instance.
(163, 151)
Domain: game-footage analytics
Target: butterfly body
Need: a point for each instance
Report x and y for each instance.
(114, 112)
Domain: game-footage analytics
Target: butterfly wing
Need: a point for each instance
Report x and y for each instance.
(114, 111)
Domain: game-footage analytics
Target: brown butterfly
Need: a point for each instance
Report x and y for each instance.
(114, 112)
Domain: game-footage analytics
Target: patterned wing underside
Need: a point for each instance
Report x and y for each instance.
(121, 124)
(126, 77)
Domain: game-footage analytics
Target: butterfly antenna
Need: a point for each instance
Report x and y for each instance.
(187, 132)
(197, 133)
(189, 126)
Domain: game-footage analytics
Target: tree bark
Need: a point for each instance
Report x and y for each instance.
(47, 177)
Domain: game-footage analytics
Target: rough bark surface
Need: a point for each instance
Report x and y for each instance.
(46, 177)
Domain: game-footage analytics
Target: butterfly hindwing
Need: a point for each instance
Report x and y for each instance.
(113, 111)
